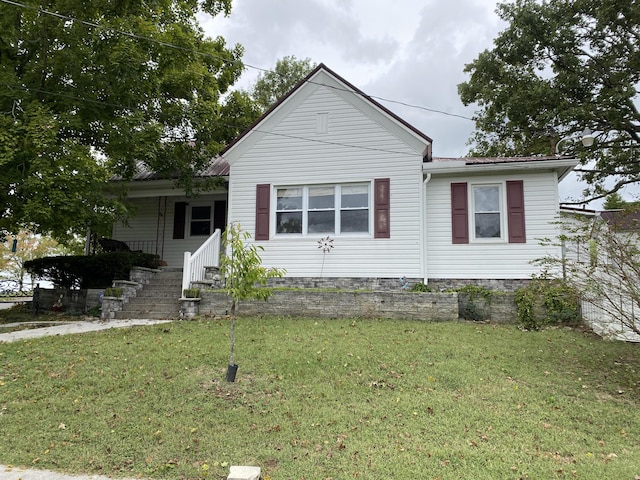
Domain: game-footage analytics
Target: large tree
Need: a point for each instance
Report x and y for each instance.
(92, 89)
(568, 65)
(273, 84)
(243, 107)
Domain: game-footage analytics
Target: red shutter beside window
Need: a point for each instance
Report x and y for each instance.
(179, 219)
(263, 200)
(459, 213)
(381, 208)
(515, 211)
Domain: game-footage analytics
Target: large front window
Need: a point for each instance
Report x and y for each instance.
(323, 209)
(487, 211)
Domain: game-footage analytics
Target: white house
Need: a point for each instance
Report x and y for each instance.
(328, 163)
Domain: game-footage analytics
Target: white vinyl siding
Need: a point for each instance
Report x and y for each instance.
(355, 150)
(487, 259)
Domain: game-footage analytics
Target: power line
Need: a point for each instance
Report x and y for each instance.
(433, 110)
(326, 142)
(218, 57)
(228, 125)
(119, 32)
(70, 97)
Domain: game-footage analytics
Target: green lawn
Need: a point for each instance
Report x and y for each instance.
(320, 399)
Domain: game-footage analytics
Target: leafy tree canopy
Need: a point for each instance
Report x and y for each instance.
(272, 85)
(569, 65)
(243, 107)
(92, 89)
(614, 201)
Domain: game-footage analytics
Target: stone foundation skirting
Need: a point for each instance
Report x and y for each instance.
(429, 306)
(332, 304)
(395, 284)
(499, 285)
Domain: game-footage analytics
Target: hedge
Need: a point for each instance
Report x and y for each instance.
(95, 271)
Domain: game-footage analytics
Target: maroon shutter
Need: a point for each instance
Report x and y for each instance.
(381, 208)
(515, 211)
(459, 213)
(179, 219)
(220, 215)
(263, 199)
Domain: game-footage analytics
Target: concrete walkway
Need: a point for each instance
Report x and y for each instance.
(60, 328)
(15, 473)
(66, 328)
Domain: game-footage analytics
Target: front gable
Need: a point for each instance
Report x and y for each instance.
(327, 161)
(323, 103)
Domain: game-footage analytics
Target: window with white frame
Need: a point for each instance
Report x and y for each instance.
(322, 209)
(487, 211)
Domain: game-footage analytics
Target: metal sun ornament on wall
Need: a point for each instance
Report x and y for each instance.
(325, 245)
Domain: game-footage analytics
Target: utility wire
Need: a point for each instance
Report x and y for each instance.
(70, 97)
(227, 125)
(218, 57)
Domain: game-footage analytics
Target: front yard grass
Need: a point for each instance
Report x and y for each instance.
(324, 399)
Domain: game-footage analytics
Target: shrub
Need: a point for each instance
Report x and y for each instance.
(474, 302)
(420, 287)
(546, 302)
(113, 292)
(191, 293)
(96, 271)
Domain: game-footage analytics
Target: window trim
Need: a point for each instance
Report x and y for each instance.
(337, 210)
(503, 212)
(189, 219)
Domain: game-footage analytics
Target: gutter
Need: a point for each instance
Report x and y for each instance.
(562, 166)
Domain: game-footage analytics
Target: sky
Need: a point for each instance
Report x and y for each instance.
(408, 51)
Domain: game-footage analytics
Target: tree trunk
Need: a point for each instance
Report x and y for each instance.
(232, 368)
(232, 335)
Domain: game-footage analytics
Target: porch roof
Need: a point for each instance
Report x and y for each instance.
(217, 168)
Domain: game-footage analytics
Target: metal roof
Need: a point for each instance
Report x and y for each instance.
(217, 168)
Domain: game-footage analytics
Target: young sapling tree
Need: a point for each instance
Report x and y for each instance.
(245, 278)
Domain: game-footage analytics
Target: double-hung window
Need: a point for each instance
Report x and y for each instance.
(321, 216)
(200, 222)
(487, 211)
(289, 210)
(323, 209)
(354, 208)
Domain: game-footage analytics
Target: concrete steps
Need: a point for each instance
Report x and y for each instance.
(158, 299)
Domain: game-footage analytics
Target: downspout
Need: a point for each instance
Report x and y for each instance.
(424, 228)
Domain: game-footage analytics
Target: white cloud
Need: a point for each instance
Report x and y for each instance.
(411, 51)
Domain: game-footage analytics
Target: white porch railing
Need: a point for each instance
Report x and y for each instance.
(207, 255)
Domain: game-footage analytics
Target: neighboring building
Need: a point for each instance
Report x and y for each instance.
(328, 162)
(600, 258)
